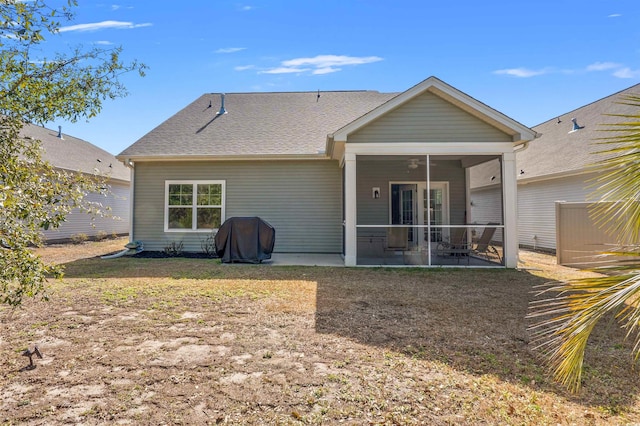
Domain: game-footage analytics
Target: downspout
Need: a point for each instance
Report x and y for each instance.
(525, 145)
(521, 148)
(130, 164)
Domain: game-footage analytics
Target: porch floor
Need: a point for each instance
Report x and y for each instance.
(413, 259)
(305, 259)
(322, 259)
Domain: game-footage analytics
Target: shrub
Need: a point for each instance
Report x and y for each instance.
(173, 248)
(209, 245)
(101, 235)
(79, 238)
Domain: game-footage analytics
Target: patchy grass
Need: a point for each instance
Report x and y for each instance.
(190, 341)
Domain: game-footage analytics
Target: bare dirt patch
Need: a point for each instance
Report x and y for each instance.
(65, 253)
(190, 341)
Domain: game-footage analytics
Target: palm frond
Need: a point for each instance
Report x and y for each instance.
(618, 184)
(566, 312)
(569, 319)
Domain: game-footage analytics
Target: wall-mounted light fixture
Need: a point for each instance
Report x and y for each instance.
(375, 193)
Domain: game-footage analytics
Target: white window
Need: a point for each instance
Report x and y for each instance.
(195, 205)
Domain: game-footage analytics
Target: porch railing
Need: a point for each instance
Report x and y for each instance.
(473, 245)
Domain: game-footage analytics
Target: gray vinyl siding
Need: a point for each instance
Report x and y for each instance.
(378, 173)
(537, 210)
(300, 199)
(428, 118)
(115, 221)
(486, 205)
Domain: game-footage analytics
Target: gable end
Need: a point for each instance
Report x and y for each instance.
(428, 118)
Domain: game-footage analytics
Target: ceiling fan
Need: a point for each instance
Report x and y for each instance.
(413, 163)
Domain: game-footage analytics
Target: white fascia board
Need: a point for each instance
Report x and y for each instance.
(109, 178)
(337, 151)
(258, 157)
(485, 187)
(424, 148)
(559, 175)
(329, 145)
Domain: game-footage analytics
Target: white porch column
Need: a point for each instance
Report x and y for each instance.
(467, 185)
(350, 210)
(510, 208)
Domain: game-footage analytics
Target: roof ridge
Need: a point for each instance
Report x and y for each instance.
(66, 136)
(297, 91)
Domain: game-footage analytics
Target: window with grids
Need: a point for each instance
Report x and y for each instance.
(194, 205)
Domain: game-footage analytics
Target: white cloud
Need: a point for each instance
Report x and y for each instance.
(230, 49)
(326, 70)
(103, 42)
(614, 15)
(627, 73)
(522, 72)
(321, 64)
(96, 26)
(617, 70)
(603, 66)
(327, 61)
(246, 8)
(115, 7)
(620, 71)
(243, 67)
(284, 70)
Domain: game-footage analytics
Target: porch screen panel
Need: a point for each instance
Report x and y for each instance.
(435, 213)
(424, 200)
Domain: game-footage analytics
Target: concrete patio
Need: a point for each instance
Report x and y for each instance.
(320, 259)
(305, 259)
(526, 258)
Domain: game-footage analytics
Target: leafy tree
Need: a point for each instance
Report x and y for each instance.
(38, 89)
(567, 320)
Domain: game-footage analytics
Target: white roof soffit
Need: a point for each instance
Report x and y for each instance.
(519, 132)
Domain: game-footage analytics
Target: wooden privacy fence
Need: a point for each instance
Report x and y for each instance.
(579, 241)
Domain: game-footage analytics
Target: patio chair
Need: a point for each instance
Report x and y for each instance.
(457, 245)
(397, 239)
(483, 246)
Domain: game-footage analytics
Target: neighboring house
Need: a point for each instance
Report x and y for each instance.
(381, 178)
(76, 155)
(558, 166)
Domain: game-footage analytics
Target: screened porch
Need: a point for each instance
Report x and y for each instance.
(418, 211)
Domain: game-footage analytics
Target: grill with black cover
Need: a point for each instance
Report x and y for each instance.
(245, 239)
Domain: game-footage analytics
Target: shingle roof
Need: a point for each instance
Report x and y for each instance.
(558, 151)
(73, 154)
(257, 124)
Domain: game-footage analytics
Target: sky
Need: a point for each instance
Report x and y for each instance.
(532, 60)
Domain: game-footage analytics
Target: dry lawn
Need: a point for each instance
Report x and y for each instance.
(190, 341)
